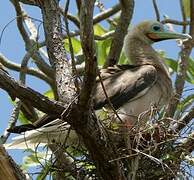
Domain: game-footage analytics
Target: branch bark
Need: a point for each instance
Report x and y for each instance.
(127, 7)
(28, 95)
(182, 66)
(8, 168)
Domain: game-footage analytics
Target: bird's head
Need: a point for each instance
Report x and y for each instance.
(154, 31)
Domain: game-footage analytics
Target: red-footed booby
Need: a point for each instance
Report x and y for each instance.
(131, 89)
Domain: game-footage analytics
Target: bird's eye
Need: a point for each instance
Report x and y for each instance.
(156, 28)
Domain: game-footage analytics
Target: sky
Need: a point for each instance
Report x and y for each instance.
(13, 48)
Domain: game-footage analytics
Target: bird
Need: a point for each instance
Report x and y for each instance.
(130, 89)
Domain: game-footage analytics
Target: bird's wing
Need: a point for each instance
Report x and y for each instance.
(124, 84)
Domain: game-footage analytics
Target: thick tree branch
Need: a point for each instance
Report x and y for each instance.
(87, 42)
(120, 32)
(81, 116)
(30, 96)
(8, 168)
(56, 52)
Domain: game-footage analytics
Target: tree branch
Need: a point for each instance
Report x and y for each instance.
(27, 95)
(106, 14)
(182, 66)
(16, 67)
(184, 120)
(120, 32)
(156, 10)
(183, 15)
(56, 52)
(8, 168)
(176, 22)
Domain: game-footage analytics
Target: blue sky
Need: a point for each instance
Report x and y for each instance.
(13, 48)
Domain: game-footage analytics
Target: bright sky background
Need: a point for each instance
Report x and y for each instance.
(13, 48)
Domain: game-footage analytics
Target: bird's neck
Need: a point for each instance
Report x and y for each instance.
(140, 52)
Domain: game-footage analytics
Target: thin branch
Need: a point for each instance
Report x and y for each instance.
(127, 7)
(106, 14)
(108, 99)
(30, 44)
(104, 36)
(17, 67)
(157, 13)
(183, 15)
(16, 110)
(74, 70)
(182, 66)
(176, 22)
(72, 18)
(12, 121)
(184, 120)
(29, 2)
(20, 17)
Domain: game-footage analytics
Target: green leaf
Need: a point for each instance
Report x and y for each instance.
(49, 94)
(186, 6)
(23, 119)
(99, 30)
(44, 172)
(123, 59)
(102, 50)
(75, 43)
(190, 71)
(35, 159)
(172, 64)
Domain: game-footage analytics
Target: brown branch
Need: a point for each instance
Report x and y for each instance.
(28, 95)
(29, 2)
(106, 14)
(182, 66)
(56, 52)
(127, 7)
(156, 10)
(184, 120)
(176, 22)
(188, 145)
(74, 70)
(20, 16)
(183, 15)
(87, 42)
(72, 18)
(16, 109)
(104, 36)
(16, 67)
(30, 44)
(8, 168)
(81, 116)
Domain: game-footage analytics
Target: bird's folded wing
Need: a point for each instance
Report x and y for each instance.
(124, 84)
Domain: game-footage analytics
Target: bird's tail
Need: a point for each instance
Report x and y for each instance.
(55, 132)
